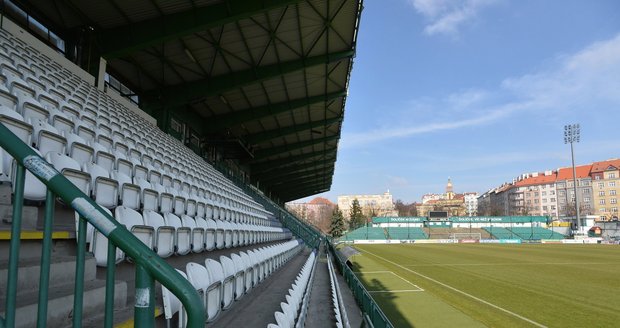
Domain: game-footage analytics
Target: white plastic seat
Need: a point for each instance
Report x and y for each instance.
(129, 193)
(248, 271)
(164, 234)
(239, 267)
(282, 320)
(228, 283)
(173, 305)
(198, 232)
(135, 223)
(60, 120)
(79, 149)
(47, 138)
(199, 277)
(17, 124)
(289, 313)
(211, 235)
(165, 198)
(104, 190)
(148, 196)
(98, 243)
(220, 234)
(70, 169)
(214, 291)
(183, 235)
(103, 156)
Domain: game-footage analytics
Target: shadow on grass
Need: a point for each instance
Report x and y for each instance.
(386, 300)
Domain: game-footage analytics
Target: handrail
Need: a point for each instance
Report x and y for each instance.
(149, 266)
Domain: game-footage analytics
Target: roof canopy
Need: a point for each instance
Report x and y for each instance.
(267, 79)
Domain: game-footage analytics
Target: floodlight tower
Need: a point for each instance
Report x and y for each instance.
(571, 135)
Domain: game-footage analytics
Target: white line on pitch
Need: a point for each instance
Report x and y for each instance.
(461, 292)
(513, 263)
(397, 291)
(369, 272)
(409, 282)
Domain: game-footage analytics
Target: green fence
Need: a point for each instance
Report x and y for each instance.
(363, 298)
(149, 266)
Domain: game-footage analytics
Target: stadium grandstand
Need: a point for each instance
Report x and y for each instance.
(454, 228)
(147, 149)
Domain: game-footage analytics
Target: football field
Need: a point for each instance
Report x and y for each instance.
(493, 285)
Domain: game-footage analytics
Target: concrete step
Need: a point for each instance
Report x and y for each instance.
(62, 270)
(60, 303)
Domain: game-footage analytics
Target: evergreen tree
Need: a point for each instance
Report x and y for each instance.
(356, 217)
(337, 226)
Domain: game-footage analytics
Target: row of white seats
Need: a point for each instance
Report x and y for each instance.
(169, 234)
(221, 283)
(129, 178)
(341, 316)
(88, 114)
(290, 309)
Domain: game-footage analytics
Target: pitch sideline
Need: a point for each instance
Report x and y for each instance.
(460, 291)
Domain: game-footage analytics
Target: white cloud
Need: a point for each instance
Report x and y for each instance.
(446, 16)
(397, 181)
(572, 83)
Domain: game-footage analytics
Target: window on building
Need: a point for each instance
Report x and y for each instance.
(601, 184)
(536, 201)
(612, 192)
(614, 210)
(612, 183)
(561, 185)
(602, 210)
(552, 200)
(585, 182)
(544, 193)
(563, 208)
(562, 193)
(613, 201)
(544, 207)
(586, 206)
(552, 192)
(553, 207)
(611, 176)
(544, 200)
(601, 193)
(586, 199)
(529, 201)
(585, 191)
(597, 177)
(601, 202)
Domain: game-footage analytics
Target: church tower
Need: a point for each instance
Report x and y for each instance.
(449, 190)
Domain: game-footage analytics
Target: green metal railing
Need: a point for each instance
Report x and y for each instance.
(362, 296)
(149, 266)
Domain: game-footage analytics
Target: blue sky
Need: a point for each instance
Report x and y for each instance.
(478, 91)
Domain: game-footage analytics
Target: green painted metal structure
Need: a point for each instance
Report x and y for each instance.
(149, 266)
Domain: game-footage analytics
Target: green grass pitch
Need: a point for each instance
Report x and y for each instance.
(492, 285)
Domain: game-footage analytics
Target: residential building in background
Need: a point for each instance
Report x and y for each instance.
(605, 186)
(552, 193)
(465, 204)
(372, 205)
(566, 191)
(318, 212)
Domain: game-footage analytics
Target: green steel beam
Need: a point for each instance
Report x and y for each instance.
(302, 189)
(295, 181)
(221, 122)
(265, 153)
(295, 168)
(289, 161)
(123, 40)
(257, 138)
(292, 173)
(265, 162)
(299, 195)
(186, 92)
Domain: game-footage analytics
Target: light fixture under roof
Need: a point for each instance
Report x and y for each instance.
(189, 54)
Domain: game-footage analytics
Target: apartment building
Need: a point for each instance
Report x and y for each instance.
(605, 185)
(566, 191)
(372, 205)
